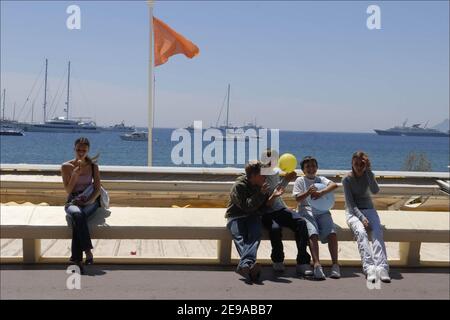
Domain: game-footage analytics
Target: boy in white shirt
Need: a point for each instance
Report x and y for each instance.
(320, 223)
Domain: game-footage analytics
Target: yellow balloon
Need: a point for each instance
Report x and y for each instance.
(287, 162)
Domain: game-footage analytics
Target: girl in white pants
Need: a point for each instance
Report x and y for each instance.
(362, 217)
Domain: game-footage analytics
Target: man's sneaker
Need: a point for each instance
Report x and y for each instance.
(384, 275)
(255, 272)
(244, 271)
(278, 266)
(318, 273)
(371, 274)
(304, 270)
(335, 272)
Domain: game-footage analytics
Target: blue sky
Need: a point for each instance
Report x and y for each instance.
(294, 65)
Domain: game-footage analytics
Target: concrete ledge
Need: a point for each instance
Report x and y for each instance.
(213, 194)
(209, 174)
(51, 168)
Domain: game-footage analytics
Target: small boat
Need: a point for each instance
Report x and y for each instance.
(121, 127)
(239, 136)
(135, 136)
(5, 131)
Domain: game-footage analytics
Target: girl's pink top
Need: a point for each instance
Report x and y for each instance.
(83, 182)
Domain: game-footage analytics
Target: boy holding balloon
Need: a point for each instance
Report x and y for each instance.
(319, 221)
(277, 215)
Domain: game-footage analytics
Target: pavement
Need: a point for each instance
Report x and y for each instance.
(211, 282)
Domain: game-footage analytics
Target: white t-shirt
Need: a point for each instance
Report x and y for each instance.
(301, 185)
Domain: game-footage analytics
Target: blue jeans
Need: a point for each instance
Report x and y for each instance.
(246, 232)
(78, 217)
(274, 221)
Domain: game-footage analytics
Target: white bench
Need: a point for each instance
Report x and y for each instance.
(33, 223)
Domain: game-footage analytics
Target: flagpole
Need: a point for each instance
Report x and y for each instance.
(150, 86)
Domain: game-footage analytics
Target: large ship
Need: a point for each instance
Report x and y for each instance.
(415, 130)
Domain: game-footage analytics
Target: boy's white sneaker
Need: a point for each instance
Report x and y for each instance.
(335, 272)
(318, 273)
(371, 274)
(278, 266)
(384, 275)
(304, 270)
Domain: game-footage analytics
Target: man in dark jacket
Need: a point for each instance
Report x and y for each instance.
(248, 196)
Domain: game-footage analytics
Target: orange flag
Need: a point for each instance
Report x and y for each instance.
(168, 43)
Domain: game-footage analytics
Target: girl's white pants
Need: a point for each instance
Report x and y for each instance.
(371, 255)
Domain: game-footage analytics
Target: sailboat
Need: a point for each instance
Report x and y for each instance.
(228, 130)
(8, 127)
(61, 124)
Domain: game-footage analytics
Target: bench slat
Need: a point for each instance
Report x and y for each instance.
(44, 222)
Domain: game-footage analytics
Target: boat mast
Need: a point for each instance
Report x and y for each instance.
(68, 92)
(228, 105)
(45, 90)
(4, 99)
(32, 111)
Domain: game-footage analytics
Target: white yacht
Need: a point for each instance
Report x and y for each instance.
(62, 125)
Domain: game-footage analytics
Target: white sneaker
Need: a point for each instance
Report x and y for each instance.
(384, 275)
(278, 266)
(371, 274)
(318, 273)
(335, 272)
(304, 270)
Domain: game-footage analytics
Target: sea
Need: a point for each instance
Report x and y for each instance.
(333, 150)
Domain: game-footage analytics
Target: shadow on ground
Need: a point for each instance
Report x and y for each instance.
(267, 275)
